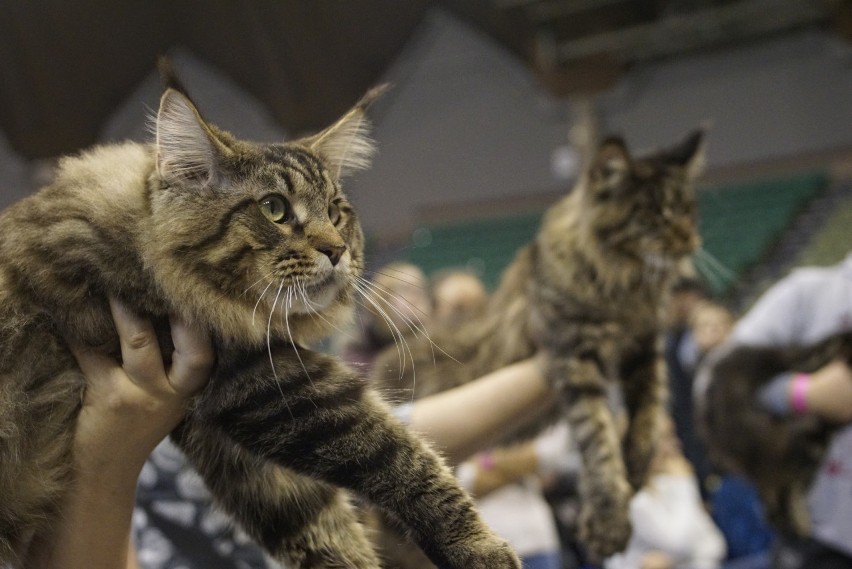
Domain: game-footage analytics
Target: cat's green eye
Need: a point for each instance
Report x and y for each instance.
(275, 208)
(334, 213)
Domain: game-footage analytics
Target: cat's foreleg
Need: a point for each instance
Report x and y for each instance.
(605, 494)
(645, 392)
(323, 422)
(302, 523)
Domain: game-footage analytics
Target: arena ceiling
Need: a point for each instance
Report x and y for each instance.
(64, 66)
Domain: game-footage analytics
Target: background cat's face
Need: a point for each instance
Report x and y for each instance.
(266, 227)
(646, 208)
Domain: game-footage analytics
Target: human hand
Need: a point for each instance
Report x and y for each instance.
(129, 408)
(657, 560)
(829, 392)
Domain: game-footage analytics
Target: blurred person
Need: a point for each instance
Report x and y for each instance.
(680, 355)
(733, 502)
(456, 295)
(506, 483)
(809, 305)
(710, 324)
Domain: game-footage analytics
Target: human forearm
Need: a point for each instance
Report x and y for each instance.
(495, 469)
(96, 514)
(827, 393)
(473, 417)
(128, 409)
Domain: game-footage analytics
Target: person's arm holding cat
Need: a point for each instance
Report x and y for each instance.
(128, 410)
(780, 318)
(826, 392)
(476, 415)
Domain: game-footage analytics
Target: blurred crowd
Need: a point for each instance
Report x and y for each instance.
(694, 513)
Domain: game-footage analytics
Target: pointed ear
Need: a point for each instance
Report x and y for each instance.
(186, 148)
(345, 145)
(687, 154)
(611, 162)
(690, 153)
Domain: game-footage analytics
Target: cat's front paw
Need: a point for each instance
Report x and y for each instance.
(490, 553)
(605, 525)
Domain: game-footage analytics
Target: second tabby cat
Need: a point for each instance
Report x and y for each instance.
(589, 293)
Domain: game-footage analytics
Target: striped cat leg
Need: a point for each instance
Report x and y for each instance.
(302, 523)
(645, 391)
(323, 422)
(604, 492)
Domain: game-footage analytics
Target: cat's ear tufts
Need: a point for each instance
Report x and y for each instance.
(186, 148)
(611, 162)
(690, 153)
(346, 146)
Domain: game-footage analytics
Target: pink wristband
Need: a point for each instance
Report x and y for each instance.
(485, 461)
(798, 393)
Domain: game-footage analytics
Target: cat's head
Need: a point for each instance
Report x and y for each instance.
(257, 238)
(645, 208)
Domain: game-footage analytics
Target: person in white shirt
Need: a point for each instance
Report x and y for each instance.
(801, 309)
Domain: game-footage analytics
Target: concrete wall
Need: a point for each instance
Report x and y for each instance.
(467, 122)
(787, 96)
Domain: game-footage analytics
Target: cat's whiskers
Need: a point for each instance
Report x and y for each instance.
(711, 268)
(258, 281)
(398, 276)
(383, 293)
(269, 339)
(310, 305)
(403, 350)
(421, 327)
(260, 298)
(286, 306)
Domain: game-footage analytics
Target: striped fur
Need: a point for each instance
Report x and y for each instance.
(258, 244)
(588, 292)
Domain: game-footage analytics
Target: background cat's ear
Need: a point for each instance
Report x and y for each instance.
(690, 153)
(186, 148)
(345, 145)
(611, 162)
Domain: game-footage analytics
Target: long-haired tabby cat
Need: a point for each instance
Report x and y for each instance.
(780, 455)
(257, 243)
(588, 292)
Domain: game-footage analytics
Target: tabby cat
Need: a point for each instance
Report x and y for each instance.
(588, 292)
(258, 244)
(780, 455)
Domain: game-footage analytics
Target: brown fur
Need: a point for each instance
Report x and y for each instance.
(186, 226)
(780, 455)
(588, 292)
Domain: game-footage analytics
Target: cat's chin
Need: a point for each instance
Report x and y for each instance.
(317, 296)
(659, 261)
